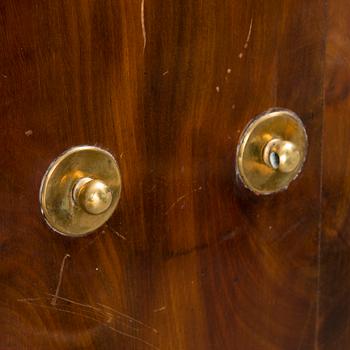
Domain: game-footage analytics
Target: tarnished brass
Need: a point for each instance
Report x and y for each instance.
(271, 151)
(80, 190)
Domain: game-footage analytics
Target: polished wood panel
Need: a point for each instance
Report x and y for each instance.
(191, 259)
(334, 321)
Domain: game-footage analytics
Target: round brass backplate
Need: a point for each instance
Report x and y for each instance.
(259, 165)
(62, 212)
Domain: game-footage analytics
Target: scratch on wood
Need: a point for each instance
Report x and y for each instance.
(196, 249)
(101, 322)
(182, 198)
(75, 302)
(159, 309)
(29, 133)
(102, 312)
(249, 34)
(129, 317)
(143, 24)
(165, 73)
(246, 44)
(116, 233)
(54, 298)
(27, 300)
(291, 229)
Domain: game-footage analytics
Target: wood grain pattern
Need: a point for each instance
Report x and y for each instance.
(191, 259)
(334, 319)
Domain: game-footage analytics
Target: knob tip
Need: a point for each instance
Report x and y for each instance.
(282, 155)
(94, 196)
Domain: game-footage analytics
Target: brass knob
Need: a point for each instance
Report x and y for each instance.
(271, 151)
(281, 155)
(94, 196)
(80, 190)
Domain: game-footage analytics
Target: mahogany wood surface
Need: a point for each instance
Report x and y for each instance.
(334, 321)
(190, 259)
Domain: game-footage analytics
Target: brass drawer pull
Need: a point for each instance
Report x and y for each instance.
(271, 151)
(80, 190)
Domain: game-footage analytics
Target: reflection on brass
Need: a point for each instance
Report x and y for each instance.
(271, 151)
(94, 196)
(281, 155)
(80, 190)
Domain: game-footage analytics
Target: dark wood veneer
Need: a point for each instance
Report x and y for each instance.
(194, 259)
